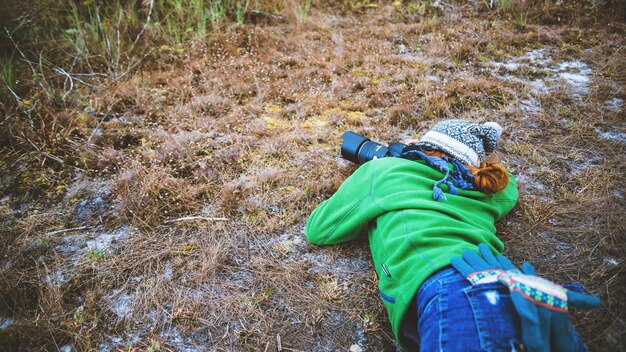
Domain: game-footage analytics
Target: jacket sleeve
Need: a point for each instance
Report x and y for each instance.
(346, 214)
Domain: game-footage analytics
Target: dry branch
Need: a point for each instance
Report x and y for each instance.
(80, 228)
(191, 218)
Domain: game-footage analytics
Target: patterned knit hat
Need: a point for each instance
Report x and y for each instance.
(464, 140)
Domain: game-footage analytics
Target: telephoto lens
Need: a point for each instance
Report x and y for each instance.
(359, 149)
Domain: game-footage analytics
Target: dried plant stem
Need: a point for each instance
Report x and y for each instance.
(191, 218)
(279, 346)
(80, 228)
(25, 59)
(145, 25)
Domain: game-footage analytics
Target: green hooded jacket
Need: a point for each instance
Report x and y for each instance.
(411, 235)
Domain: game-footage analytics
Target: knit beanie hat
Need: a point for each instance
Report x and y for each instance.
(463, 140)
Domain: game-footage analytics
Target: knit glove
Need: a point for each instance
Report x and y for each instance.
(541, 304)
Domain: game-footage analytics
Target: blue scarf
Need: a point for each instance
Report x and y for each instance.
(460, 177)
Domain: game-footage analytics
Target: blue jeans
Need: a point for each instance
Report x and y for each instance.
(453, 315)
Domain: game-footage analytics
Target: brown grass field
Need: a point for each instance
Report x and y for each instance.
(164, 209)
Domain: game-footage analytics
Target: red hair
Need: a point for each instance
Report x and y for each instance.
(490, 177)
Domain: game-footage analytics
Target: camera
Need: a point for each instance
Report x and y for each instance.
(360, 150)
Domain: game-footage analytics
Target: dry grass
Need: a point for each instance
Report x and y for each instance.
(247, 127)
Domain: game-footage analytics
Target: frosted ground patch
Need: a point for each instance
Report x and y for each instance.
(573, 76)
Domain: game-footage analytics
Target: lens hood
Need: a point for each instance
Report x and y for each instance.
(352, 142)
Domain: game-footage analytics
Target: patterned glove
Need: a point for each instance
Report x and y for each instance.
(541, 304)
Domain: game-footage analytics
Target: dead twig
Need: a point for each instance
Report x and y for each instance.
(145, 25)
(267, 14)
(80, 228)
(67, 77)
(17, 98)
(279, 346)
(132, 66)
(191, 218)
(25, 59)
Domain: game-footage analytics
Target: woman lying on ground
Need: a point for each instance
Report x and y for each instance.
(437, 202)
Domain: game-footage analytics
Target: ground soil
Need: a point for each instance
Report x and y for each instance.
(242, 133)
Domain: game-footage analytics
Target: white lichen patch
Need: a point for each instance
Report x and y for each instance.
(509, 65)
(121, 304)
(530, 105)
(77, 247)
(107, 241)
(577, 76)
(356, 348)
(167, 273)
(59, 277)
(176, 340)
(5, 322)
(538, 86)
(537, 57)
(534, 186)
(614, 104)
(573, 76)
(578, 166)
(612, 135)
(115, 343)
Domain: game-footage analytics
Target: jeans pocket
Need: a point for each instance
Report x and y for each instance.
(494, 316)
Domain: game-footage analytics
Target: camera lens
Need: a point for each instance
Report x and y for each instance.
(351, 144)
(359, 149)
(371, 150)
